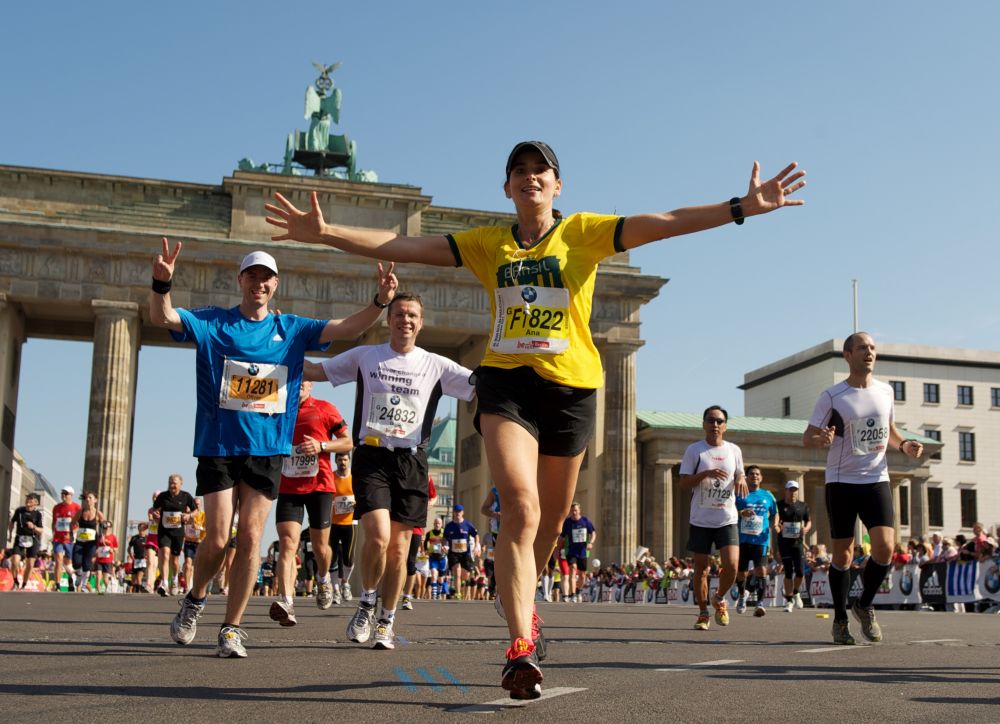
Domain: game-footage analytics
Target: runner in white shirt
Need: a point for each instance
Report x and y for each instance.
(398, 388)
(712, 470)
(855, 420)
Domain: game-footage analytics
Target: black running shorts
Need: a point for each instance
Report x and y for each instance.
(260, 472)
(846, 502)
(393, 480)
(700, 539)
(561, 418)
(750, 553)
(291, 507)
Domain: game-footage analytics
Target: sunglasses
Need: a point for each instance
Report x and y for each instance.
(715, 421)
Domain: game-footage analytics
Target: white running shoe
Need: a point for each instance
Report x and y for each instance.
(185, 624)
(231, 640)
(324, 595)
(741, 605)
(283, 613)
(383, 637)
(790, 606)
(346, 592)
(359, 630)
(407, 603)
(335, 596)
(798, 601)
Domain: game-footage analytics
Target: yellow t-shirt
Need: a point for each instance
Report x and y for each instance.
(541, 297)
(194, 532)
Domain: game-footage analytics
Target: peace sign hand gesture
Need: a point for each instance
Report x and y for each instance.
(163, 264)
(387, 283)
(773, 194)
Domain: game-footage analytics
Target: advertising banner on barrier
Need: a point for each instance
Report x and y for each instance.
(989, 579)
(932, 581)
(933, 584)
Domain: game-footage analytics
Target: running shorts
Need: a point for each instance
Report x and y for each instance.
(701, 539)
(291, 506)
(393, 480)
(560, 418)
(845, 502)
(260, 472)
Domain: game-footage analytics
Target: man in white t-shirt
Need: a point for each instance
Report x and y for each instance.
(855, 421)
(712, 470)
(398, 388)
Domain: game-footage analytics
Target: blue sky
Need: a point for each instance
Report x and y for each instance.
(891, 108)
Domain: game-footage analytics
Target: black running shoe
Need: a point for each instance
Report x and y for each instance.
(521, 675)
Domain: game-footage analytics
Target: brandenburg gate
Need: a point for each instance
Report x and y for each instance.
(75, 258)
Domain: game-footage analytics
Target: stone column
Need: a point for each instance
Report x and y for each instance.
(919, 524)
(108, 462)
(661, 541)
(620, 495)
(11, 339)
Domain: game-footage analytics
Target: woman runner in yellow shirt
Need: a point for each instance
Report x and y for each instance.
(536, 384)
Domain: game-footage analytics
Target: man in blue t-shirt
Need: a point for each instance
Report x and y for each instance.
(577, 538)
(462, 538)
(756, 515)
(249, 368)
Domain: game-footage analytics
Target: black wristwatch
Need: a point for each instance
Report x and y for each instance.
(376, 302)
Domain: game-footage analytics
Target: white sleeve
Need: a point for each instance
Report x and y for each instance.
(821, 412)
(738, 458)
(455, 379)
(343, 367)
(689, 463)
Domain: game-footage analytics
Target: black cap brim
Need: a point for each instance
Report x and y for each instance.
(543, 148)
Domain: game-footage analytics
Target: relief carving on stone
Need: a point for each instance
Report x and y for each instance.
(11, 262)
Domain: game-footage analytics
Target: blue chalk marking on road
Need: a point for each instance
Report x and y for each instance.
(450, 677)
(426, 676)
(402, 640)
(405, 678)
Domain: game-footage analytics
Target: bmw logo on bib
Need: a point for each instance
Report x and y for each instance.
(871, 422)
(253, 369)
(529, 294)
(394, 399)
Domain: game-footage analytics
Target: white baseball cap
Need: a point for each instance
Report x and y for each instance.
(259, 258)
(791, 485)
(68, 489)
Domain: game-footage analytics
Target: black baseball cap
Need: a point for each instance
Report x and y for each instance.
(543, 148)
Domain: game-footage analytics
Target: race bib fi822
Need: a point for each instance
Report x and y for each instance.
(531, 320)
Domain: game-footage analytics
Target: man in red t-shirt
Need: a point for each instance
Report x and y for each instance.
(62, 533)
(307, 485)
(107, 544)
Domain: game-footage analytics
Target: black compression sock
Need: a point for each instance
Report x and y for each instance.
(839, 589)
(872, 576)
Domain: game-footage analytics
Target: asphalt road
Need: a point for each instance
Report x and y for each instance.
(84, 657)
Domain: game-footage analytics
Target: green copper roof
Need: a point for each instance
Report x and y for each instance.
(442, 438)
(773, 425)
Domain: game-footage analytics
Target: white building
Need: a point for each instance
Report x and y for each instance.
(951, 395)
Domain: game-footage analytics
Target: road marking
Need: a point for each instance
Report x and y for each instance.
(935, 641)
(700, 664)
(426, 676)
(451, 677)
(829, 648)
(405, 678)
(491, 707)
